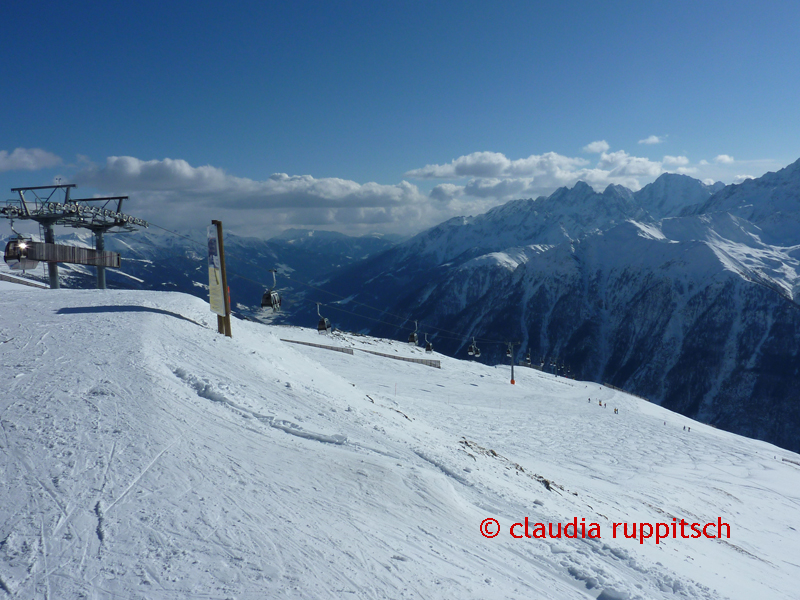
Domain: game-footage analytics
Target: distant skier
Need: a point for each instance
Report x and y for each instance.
(684, 427)
(690, 429)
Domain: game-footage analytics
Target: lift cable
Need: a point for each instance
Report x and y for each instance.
(453, 334)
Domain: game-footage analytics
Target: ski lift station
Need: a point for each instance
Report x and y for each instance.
(52, 205)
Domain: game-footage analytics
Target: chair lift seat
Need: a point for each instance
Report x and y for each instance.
(324, 326)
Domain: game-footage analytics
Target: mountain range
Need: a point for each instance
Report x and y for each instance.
(682, 292)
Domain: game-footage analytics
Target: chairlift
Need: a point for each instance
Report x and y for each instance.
(472, 350)
(428, 345)
(16, 255)
(413, 339)
(508, 351)
(271, 298)
(528, 358)
(324, 325)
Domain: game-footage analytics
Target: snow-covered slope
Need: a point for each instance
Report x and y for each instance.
(143, 455)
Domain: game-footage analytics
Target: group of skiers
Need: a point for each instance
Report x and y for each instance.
(604, 405)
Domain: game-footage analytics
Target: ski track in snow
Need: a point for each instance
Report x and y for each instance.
(143, 456)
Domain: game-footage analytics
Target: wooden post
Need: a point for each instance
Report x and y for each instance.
(223, 323)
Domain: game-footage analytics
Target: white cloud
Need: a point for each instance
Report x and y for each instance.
(723, 159)
(597, 147)
(653, 139)
(709, 181)
(125, 173)
(173, 193)
(620, 164)
(495, 164)
(499, 188)
(703, 162)
(496, 178)
(741, 178)
(675, 161)
(445, 192)
(173, 190)
(27, 159)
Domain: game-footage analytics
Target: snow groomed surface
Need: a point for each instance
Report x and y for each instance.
(143, 455)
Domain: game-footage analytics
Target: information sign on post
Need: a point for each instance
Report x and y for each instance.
(217, 279)
(216, 298)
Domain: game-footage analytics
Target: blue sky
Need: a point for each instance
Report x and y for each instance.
(370, 116)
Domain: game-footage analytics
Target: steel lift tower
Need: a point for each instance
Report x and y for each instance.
(51, 205)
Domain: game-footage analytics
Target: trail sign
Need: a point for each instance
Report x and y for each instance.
(218, 292)
(215, 286)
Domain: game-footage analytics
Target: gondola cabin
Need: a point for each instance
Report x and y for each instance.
(473, 349)
(271, 299)
(16, 256)
(428, 345)
(413, 338)
(324, 326)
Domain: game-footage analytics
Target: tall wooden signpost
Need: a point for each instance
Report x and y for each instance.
(218, 279)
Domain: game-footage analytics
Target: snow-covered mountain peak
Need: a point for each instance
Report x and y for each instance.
(772, 202)
(618, 191)
(672, 193)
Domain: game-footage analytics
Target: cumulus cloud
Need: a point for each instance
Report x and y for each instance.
(498, 188)
(174, 189)
(597, 147)
(494, 177)
(495, 164)
(280, 190)
(620, 164)
(653, 139)
(174, 193)
(445, 192)
(741, 178)
(675, 161)
(27, 159)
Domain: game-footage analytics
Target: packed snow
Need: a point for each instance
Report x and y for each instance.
(143, 455)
